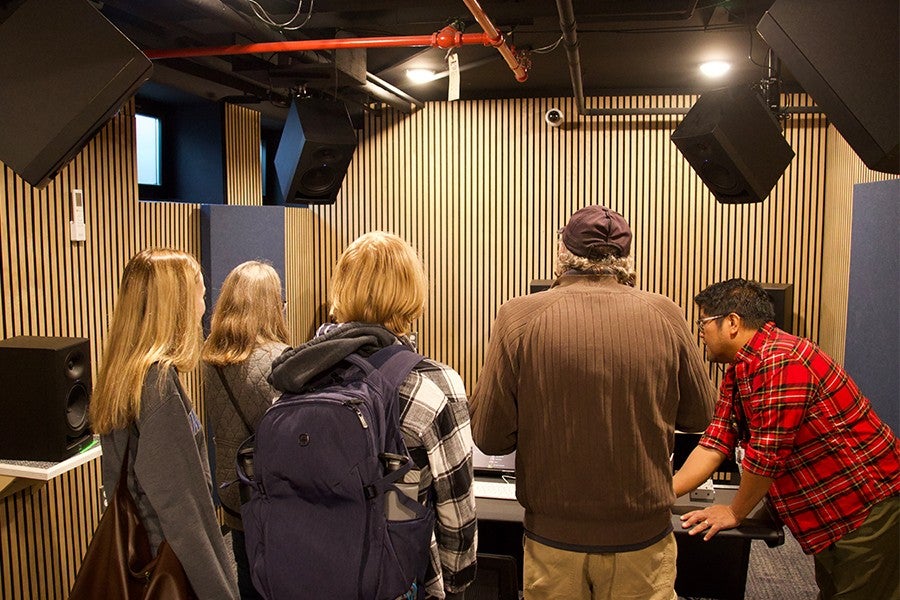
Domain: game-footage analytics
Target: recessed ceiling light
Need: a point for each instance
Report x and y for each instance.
(420, 75)
(715, 68)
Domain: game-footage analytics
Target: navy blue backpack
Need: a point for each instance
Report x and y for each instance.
(327, 515)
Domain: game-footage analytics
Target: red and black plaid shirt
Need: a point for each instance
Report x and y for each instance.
(810, 429)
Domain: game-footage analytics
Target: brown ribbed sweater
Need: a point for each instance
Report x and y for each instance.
(587, 381)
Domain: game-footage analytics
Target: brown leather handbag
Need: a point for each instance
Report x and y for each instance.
(118, 563)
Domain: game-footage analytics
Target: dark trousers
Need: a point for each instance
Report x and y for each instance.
(245, 582)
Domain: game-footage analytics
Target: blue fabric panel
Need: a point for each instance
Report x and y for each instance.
(873, 307)
(230, 235)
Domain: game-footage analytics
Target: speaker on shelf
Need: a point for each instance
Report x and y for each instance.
(315, 150)
(65, 71)
(45, 389)
(844, 54)
(782, 297)
(734, 143)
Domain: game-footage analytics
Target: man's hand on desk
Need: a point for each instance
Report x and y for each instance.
(710, 520)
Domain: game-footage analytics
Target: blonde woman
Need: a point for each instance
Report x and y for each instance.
(139, 403)
(378, 290)
(248, 331)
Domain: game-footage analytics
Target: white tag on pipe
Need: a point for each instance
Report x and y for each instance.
(453, 68)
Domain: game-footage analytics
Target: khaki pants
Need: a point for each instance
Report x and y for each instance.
(864, 564)
(648, 574)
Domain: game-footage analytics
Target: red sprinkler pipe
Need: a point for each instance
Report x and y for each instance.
(516, 60)
(448, 37)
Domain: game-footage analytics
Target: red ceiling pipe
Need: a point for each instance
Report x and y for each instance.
(448, 37)
(516, 60)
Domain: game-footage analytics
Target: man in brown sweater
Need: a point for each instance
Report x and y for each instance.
(587, 381)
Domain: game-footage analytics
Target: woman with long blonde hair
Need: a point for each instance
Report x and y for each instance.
(139, 404)
(248, 331)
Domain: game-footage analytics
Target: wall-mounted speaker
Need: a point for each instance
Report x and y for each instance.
(845, 56)
(315, 150)
(782, 297)
(65, 71)
(734, 143)
(45, 389)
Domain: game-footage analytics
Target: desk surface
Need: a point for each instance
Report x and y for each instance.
(759, 525)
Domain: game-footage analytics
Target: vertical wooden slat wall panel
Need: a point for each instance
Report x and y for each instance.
(243, 172)
(52, 286)
(480, 189)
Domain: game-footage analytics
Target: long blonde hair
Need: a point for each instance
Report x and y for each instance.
(248, 313)
(379, 279)
(155, 321)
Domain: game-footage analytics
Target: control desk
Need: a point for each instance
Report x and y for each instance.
(713, 569)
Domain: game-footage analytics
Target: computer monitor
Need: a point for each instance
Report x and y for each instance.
(497, 465)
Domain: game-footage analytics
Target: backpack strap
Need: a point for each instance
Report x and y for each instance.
(234, 402)
(395, 363)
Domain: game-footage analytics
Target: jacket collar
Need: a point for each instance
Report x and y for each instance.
(298, 366)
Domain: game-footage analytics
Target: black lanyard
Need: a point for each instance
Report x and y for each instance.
(738, 417)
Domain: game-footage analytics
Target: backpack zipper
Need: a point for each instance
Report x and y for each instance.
(362, 419)
(351, 404)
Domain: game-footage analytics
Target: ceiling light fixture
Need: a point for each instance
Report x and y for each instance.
(420, 75)
(715, 68)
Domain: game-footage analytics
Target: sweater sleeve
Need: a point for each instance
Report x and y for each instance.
(697, 394)
(494, 407)
(170, 471)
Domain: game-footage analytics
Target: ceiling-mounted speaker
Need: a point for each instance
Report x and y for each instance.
(845, 55)
(315, 150)
(734, 143)
(65, 70)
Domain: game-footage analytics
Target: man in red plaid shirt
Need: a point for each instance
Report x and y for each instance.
(802, 432)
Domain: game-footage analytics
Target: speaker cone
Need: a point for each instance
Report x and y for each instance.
(318, 180)
(77, 409)
(720, 179)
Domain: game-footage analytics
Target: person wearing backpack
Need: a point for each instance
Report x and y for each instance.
(247, 333)
(377, 290)
(141, 411)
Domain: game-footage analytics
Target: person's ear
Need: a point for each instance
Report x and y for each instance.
(733, 323)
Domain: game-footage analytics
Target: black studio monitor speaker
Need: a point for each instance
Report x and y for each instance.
(315, 150)
(782, 297)
(45, 389)
(845, 53)
(65, 70)
(734, 143)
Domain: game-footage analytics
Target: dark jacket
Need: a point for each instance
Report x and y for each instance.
(170, 482)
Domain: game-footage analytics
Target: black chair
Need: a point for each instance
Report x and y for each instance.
(497, 579)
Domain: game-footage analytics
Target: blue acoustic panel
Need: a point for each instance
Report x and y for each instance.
(873, 312)
(230, 235)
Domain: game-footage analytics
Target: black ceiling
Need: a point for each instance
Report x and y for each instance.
(625, 46)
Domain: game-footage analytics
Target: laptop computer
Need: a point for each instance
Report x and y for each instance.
(493, 465)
